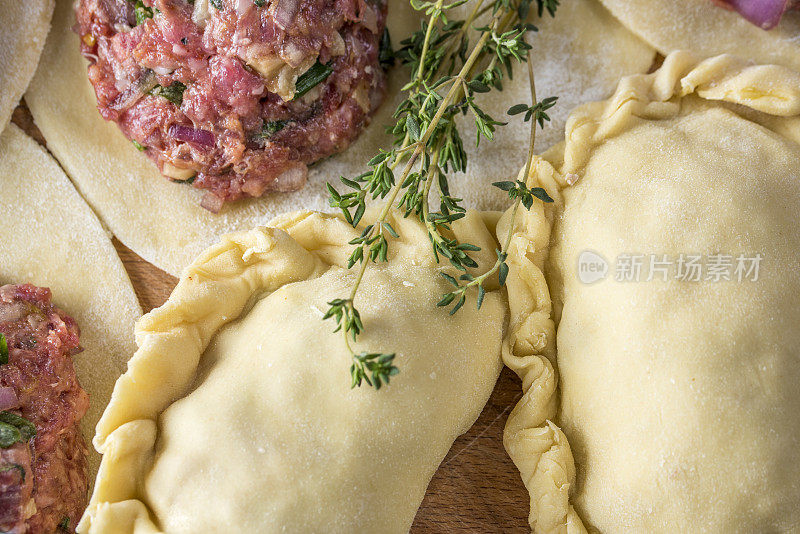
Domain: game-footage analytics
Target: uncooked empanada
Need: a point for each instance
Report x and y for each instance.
(707, 29)
(236, 413)
(678, 386)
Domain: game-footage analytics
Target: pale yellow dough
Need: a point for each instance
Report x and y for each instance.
(709, 30)
(679, 399)
(236, 413)
(582, 54)
(51, 238)
(23, 29)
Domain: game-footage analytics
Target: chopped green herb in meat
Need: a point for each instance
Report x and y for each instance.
(140, 147)
(173, 93)
(270, 128)
(312, 78)
(260, 3)
(217, 4)
(9, 435)
(141, 11)
(3, 350)
(385, 52)
(24, 427)
(11, 467)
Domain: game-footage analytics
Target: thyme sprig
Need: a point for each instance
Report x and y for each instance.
(449, 71)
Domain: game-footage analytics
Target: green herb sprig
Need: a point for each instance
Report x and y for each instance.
(448, 72)
(519, 192)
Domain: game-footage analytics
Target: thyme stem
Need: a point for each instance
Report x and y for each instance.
(427, 144)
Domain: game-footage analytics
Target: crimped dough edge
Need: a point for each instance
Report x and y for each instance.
(768, 94)
(217, 288)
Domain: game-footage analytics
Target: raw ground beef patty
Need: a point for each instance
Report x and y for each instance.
(43, 469)
(236, 97)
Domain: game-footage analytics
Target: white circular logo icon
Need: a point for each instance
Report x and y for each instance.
(592, 267)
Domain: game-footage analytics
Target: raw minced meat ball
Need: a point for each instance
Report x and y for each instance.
(237, 97)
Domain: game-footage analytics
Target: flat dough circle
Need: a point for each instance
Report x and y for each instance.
(23, 29)
(52, 239)
(680, 398)
(709, 30)
(236, 413)
(162, 221)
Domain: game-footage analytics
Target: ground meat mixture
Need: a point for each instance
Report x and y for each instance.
(43, 469)
(236, 97)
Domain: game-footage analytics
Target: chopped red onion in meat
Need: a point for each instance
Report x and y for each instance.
(285, 12)
(212, 202)
(243, 6)
(192, 135)
(765, 14)
(291, 179)
(10, 313)
(8, 399)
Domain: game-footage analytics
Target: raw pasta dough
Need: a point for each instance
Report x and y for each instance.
(162, 221)
(236, 414)
(51, 238)
(709, 30)
(23, 29)
(678, 397)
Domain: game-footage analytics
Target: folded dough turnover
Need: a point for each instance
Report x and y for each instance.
(236, 413)
(678, 397)
(709, 30)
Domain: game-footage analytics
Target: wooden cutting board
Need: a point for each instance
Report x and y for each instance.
(476, 489)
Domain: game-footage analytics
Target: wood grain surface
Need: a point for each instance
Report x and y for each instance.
(476, 489)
